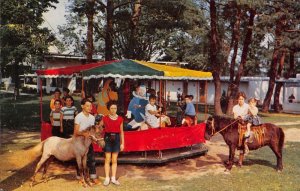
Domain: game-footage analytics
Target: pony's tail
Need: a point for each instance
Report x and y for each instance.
(281, 139)
(36, 151)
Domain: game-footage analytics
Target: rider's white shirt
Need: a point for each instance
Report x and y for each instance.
(241, 110)
(84, 122)
(151, 119)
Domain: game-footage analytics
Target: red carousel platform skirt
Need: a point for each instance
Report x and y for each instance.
(46, 130)
(162, 139)
(151, 139)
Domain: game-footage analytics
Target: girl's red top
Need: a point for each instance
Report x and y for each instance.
(112, 126)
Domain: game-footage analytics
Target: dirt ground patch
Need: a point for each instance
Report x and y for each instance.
(17, 166)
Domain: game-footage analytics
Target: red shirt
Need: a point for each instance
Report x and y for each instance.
(112, 126)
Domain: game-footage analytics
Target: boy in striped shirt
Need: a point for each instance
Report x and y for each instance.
(55, 118)
(68, 113)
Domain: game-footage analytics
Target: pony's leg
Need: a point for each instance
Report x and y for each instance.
(38, 166)
(85, 170)
(46, 165)
(231, 157)
(241, 159)
(278, 152)
(79, 164)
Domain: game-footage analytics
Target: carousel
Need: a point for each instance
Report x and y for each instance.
(114, 80)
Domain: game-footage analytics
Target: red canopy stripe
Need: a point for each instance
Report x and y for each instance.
(73, 69)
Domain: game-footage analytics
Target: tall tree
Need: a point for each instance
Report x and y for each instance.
(136, 13)
(90, 12)
(286, 16)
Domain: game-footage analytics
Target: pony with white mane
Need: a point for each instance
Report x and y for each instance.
(66, 149)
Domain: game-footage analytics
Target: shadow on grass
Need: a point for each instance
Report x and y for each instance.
(62, 170)
(250, 162)
(20, 176)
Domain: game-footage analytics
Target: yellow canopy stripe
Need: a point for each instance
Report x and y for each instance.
(172, 71)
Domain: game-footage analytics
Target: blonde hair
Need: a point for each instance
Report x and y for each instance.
(252, 100)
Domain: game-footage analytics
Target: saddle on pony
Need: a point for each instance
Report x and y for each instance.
(257, 133)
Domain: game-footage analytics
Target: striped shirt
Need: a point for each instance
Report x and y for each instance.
(69, 112)
(56, 117)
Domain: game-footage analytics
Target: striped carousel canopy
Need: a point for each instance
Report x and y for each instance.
(132, 69)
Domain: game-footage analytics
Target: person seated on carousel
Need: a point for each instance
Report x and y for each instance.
(153, 116)
(189, 112)
(136, 108)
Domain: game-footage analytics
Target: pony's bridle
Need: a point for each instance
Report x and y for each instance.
(213, 129)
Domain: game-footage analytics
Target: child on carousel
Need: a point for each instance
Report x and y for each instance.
(190, 112)
(153, 116)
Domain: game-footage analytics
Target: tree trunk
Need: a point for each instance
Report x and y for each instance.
(235, 36)
(214, 50)
(236, 83)
(291, 71)
(109, 30)
(90, 16)
(16, 79)
(133, 28)
(279, 85)
(273, 71)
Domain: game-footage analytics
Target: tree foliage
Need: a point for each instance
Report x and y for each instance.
(20, 35)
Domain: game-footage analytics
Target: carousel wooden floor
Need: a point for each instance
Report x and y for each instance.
(158, 157)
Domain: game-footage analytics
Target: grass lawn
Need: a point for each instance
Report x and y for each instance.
(258, 173)
(24, 113)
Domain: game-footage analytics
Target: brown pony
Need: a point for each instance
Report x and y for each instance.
(273, 136)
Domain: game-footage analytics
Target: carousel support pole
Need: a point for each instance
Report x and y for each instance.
(205, 98)
(197, 89)
(165, 95)
(160, 89)
(41, 100)
(82, 86)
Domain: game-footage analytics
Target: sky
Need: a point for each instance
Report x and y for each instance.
(55, 17)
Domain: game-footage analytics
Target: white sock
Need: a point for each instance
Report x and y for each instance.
(113, 178)
(107, 178)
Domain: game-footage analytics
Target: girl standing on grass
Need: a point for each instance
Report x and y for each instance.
(114, 141)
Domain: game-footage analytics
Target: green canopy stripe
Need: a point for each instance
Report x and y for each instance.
(123, 68)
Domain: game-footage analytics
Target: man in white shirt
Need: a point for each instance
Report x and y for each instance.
(83, 121)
